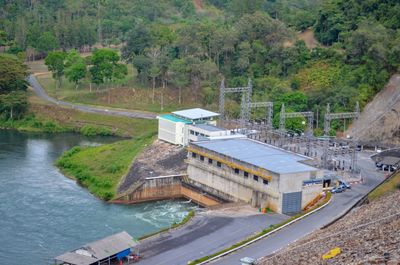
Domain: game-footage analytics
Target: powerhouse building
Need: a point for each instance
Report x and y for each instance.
(244, 170)
(182, 127)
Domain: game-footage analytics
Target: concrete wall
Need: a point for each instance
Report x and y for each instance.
(168, 187)
(233, 185)
(157, 189)
(225, 183)
(310, 193)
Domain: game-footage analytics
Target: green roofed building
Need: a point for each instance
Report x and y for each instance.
(174, 127)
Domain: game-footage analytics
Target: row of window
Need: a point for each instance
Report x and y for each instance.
(197, 133)
(237, 171)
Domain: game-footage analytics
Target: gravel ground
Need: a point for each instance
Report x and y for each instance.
(159, 159)
(367, 235)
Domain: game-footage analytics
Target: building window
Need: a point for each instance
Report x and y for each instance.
(197, 133)
(255, 177)
(219, 164)
(265, 181)
(191, 132)
(202, 158)
(237, 171)
(194, 155)
(210, 161)
(246, 174)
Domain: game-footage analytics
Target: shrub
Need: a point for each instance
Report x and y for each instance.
(90, 130)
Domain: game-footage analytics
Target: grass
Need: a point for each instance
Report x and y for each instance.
(127, 93)
(89, 123)
(101, 168)
(389, 185)
(31, 123)
(265, 231)
(184, 221)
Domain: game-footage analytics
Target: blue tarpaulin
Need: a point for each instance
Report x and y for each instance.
(123, 254)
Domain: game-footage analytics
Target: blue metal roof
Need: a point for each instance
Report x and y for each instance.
(258, 154)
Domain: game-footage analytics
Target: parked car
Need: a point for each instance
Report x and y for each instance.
(247, 261)
(338, 189)
(344, 184)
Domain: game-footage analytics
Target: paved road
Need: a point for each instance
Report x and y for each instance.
(340, 203)
(206, 233)
(40, 92)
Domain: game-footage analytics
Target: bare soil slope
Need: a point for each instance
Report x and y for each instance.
(159, 159)
(380, 121)
(367, 235)
(309, 39)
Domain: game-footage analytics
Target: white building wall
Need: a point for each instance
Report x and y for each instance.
(180, 133)
(167, 131)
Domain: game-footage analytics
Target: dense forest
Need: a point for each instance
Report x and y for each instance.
(192, 45)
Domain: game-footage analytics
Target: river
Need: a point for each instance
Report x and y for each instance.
(44, 214)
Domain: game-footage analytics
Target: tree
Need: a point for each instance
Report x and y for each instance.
(46, 43)
(75, 67)
(155, 70)
(3, 38)
(13, 98)
(106, 67)
(138, 40)
(13, 75)
(55, 64)
(179, 75)
(14, 104)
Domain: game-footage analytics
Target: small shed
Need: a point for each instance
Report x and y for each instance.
(103, 251)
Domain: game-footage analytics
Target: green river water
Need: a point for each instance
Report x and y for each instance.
(44, 214)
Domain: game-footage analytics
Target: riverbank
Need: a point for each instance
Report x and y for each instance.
(101, 168)
(50, 118)
(46, 214)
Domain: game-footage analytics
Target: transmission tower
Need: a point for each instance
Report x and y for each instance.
(327, 127)
(270, 110)
(245, 103)
(335, 116)
(309, 115)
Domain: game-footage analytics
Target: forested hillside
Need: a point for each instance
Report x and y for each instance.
(170, 43)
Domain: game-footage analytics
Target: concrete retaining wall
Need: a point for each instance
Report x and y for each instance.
(157, 189)
(167, 187)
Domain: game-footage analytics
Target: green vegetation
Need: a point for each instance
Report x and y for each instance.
(82, 122)
(184, 221)
(264, 232)
(170, 47)
(101, 168)
(389, 185)
(30, 123)
(13, 97)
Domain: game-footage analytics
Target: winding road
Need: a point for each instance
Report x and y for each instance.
(41, 93)
(339, 205)
(194, 241)
(207, 235)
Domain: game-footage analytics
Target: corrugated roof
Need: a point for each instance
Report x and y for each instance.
(99, 250)
(195, 114)
(210, 128)
(258, 154)
(390, 160)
